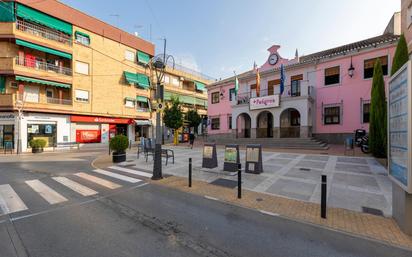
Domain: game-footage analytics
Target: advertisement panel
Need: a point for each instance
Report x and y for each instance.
(88, 136)
(399, 128)
(264, 102)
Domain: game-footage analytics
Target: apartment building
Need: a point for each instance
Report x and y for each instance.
(68, 77)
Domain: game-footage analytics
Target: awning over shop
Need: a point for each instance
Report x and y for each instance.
(43, 49)
(44, 82)
(143, 122)
(33, 15)
(141, 99)
(200, 86)
(138, 79)
(143, 57)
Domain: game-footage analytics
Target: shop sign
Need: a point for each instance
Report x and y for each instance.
(9, 116)
(399, 128)
(264, 102)
(91, 119)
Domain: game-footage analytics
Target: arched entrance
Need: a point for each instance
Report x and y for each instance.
(264, 125)
(243, 126)
(290, 123)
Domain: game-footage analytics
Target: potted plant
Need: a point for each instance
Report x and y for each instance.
(37, 145)
(119, 144)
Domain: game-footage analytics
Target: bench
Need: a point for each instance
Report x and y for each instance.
(148, 149)
(67, 144)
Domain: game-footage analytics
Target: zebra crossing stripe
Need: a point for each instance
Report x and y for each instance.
(48, 194)
(135, 172)
(9, 200)
(97, 180)
(78, 188)
(117, 176)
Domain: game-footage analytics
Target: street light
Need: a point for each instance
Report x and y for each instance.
(20, 106)
(158, 64)
(351, 69)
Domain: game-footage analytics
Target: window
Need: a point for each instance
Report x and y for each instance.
(369, 65)
(175, 82)
(332, 115)
(166, 79)
(215, 123)
(129, 55)
(82, 39)
(332, 75)
(31, 94)
(49, 93)
(82, 95)
(82, 68)
(232, 94)
(366, 112)
(271, 86)
(253, 90)
(47, 132)
(13, 84)
(215, 97)
(142, 106)
(229, 121)
(129, 103)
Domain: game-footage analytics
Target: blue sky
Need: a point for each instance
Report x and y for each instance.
(219, 36)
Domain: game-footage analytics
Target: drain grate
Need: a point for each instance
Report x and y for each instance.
(372, 211)
(224, 183)
(305, 169)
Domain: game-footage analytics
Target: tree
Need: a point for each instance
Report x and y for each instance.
(378, 115)
(173, 117)
(194, 119)
(401, 55)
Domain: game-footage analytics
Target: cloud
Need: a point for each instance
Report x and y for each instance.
(187, 60)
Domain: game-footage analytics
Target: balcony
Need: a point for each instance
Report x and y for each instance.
(51, 100)
(141, 109)
(41, 65)
(43, 32)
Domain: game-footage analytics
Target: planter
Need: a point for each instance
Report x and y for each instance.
(37, 150)
(119, 157)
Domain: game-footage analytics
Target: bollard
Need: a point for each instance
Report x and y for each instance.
(323, 198)
(130, 144)
(239, 180)
(190, 172)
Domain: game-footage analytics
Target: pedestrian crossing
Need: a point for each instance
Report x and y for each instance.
(61, 189)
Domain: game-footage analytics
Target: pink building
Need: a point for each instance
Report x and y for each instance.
(327, 94)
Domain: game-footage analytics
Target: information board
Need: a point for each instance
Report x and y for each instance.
(232, 158)
(209, 160)
(208, 152)
(399, 128)
(254, 159)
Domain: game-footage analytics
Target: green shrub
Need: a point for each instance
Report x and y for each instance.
(37, 143)
(401, 55)
(119, 143)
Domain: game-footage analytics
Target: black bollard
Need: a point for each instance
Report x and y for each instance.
(323, 198)
(239, 180)
(190, 172)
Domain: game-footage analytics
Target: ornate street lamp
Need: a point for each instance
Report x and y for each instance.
(158, 63)
(351, 69)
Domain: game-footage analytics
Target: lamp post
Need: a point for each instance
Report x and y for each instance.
(158, 64)
(20, 106)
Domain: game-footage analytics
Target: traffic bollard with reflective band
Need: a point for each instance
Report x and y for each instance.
(323, 197)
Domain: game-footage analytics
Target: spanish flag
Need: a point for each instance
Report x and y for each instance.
(257, 81)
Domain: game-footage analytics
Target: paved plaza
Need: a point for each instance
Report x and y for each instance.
(353, 182)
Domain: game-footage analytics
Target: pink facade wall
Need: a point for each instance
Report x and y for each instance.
(349, 90)
(222, 109)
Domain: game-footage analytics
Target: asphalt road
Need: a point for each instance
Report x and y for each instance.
(147, 220)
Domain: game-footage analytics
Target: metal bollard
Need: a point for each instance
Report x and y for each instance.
(190, 172)
(130, 144)
(239, 180)
(323, 198)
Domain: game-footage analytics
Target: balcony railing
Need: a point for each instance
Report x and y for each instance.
(43, 32)
(41, 65)
(141, 109)
(51, 100)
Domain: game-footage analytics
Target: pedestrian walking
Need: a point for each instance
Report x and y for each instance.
(191, 139)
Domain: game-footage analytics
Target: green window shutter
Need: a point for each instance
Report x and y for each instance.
(143, 81)
(141, 99)
(33, 15)
(43, 49)
(143, 57)
(200, 86)
(131, 78)
(7, 12)
(2, 84)
(81, 34)
(44, 82)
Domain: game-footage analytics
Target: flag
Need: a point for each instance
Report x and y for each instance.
(236, 85)
(282, 79)
(257, 81)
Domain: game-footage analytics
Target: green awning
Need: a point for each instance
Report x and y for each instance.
(33, 15)
(200, 86)
(43, 49)
(44, 82)
(129, 99)
(143, 57)
(2, 84)
(140, 80)
(7, 12)
(141, 99)
(81, 34)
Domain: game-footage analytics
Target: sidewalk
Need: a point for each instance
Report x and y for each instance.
(359, 224)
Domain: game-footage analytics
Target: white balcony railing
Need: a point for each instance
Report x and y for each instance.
(51, 100)
(41, 65)
(44, 32)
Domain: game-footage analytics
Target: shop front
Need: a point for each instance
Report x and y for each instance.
(7, 131)
(142, 129)
(92, 129)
